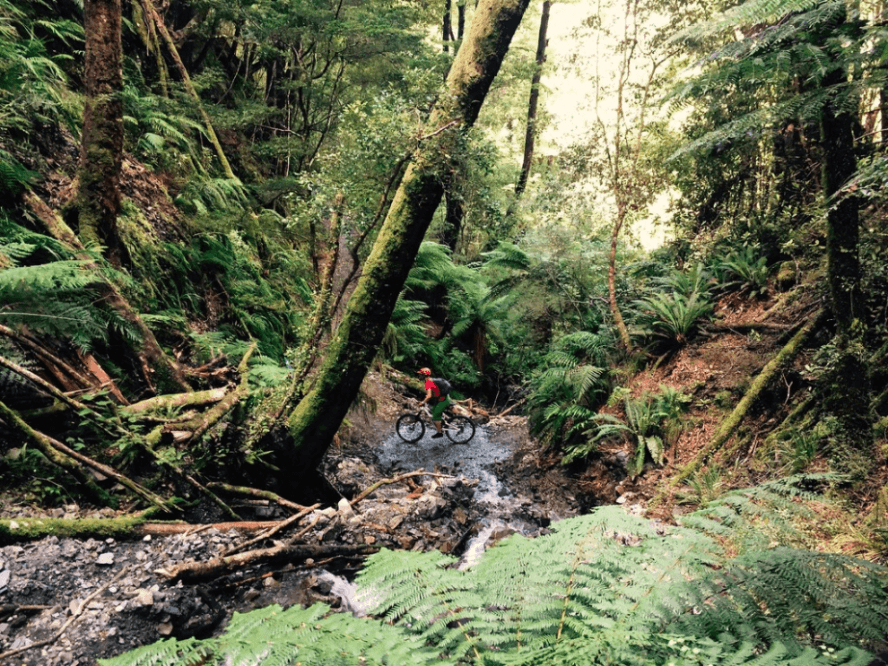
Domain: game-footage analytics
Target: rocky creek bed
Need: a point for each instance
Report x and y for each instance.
(97, 598)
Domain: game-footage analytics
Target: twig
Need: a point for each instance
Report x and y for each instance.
(255, 492)
(397, 479)
(73, 618)
(272, 531)
(504, 412)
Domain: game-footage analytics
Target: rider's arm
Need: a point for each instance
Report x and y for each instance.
(427, 398)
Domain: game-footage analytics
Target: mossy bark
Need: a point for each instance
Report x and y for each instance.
(189, 87)
(28, 529)
(314, 422)
(729, 425)
(159, 371)
(98, 195)
(17, 425)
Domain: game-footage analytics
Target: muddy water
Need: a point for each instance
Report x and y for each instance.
(475, 461)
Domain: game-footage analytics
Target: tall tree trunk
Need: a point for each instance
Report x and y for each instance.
(460, 20)
(619, 323)
(356, 342)
(446, 28)
(847, 388)
(453, 217)
(98, 196)
(530, 135)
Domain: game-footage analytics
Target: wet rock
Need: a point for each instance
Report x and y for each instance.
(345, 510)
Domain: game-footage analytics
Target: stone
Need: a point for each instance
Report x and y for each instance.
(144, 597)
(164, 628)
(105, 559)
(345, 510)
(4, 579)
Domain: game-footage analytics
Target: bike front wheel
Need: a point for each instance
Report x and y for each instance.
(459, 429)
(410, 428)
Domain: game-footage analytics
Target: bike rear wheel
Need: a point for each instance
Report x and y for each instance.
(410, 427)
(459, 429)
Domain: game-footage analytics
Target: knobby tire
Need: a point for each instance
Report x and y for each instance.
(410, 428)
(459, 429)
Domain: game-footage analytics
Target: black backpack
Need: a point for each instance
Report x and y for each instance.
(443, 385)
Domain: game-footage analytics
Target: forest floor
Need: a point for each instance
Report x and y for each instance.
(95, 598)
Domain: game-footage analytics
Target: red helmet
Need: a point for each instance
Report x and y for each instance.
(424, 371)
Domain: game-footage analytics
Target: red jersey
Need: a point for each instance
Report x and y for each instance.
(436, 392)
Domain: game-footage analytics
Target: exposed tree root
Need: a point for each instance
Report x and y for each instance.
(729, 425)
(219, 566)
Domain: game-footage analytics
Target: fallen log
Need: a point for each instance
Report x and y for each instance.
(51, 361)
(730, 424)
(196, 427)
(219, 566)
(255, 492)
(176, 400)
(28, 529)
(42, 443)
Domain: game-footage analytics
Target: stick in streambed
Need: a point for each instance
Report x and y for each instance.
(218, 566)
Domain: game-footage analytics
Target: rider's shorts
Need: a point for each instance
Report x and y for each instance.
(439, 408)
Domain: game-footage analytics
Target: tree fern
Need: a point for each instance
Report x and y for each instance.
(606, 588)
(52, 297)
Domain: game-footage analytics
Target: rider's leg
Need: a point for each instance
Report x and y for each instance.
(437, 414)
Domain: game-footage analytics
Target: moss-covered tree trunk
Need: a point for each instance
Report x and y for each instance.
(847, 391)
(314, 422)
(98, 200)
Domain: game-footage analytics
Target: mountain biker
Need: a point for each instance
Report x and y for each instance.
(434, 395)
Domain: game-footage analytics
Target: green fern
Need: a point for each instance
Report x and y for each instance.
(673, 318)
(605, 588)
(743, 270)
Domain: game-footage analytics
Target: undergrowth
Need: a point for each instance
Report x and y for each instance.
(606, 588)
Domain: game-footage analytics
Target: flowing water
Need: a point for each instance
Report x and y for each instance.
(474, 460)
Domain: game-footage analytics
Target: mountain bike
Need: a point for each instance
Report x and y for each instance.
(412, 426)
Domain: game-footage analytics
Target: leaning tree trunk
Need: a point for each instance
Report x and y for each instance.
(530, 135)
(847, 387)
(314, 422)
(98, 196)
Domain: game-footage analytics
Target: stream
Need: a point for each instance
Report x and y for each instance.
(476, 459)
